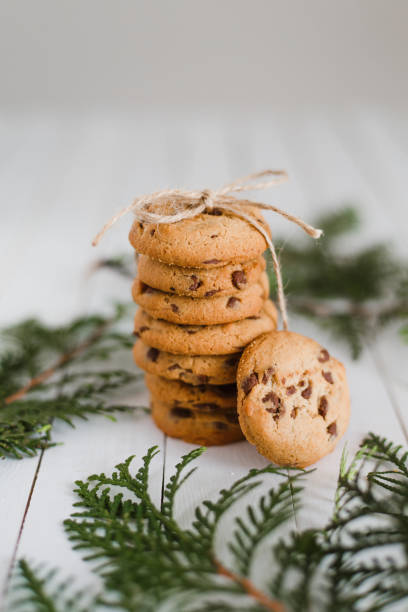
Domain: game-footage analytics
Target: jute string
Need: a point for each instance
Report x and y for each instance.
(189, 204)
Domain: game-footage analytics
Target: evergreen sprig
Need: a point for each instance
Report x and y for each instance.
(43, 591)
(360, 559)
(144, 555)
(357, 562)
(50, 373)
(353, 295)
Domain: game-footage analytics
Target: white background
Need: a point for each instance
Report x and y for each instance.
(101, 101)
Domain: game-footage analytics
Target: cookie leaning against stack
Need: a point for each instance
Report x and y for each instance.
(203, 294)
(293, 398)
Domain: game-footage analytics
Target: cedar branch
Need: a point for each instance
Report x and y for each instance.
(248, 586)
(65, 358)
(320, 309)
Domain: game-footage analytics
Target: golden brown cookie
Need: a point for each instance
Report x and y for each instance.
(192, 369)
(211, 239)
(204, 339)
(293, 398)
(205, 428)
(201, 311)
(216, 397)
(198, 282)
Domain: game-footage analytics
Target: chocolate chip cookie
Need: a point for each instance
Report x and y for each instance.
(218, 397)
(211, 239)
(192, 369)
(293, 398)
(221, 339)
(205, 427)
(198, 282)
(201, 311)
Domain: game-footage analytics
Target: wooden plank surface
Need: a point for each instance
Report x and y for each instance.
(62, 177)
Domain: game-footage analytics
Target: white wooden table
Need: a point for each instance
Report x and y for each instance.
(61, 178)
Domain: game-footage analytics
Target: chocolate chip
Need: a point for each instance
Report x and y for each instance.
(328, 376)
(152, 354)
(249, 382)
(294, 413)
(181, 413)
(211, 261)
(306, 393)
(203, 379)
(323, 356)
(143, 329)
(211, 293)
(136, 334)
(267, 375)
(233, 302)
(195, 284)
(239, 279)
(220, 425)
(175, 366)
(291, 390)
(323, 406)
(272, 397)
(152, 232)
(277, 408)
(332, 429)
(175, 308)
(214, 236)
(141, 225)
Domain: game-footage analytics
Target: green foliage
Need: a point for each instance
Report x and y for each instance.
(144, 555)
(404, 332)
(360, 559)
(50, 373)
(41, 591)
(358, 562)
(351, 294)
(122, 264)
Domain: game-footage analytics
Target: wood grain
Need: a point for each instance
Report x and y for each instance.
(63, 176)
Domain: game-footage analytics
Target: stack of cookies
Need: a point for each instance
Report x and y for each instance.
(203, 296)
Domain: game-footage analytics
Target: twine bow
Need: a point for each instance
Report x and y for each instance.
(189, 204)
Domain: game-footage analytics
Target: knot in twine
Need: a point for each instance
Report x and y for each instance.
(189, 204)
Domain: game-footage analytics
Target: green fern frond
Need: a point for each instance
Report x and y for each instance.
(348, 294)
(339, 222)
(371, 513)
(40, 379)
(177, 480)
(272, 511)
(40, 590)
(146, 559)
(156, 556)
